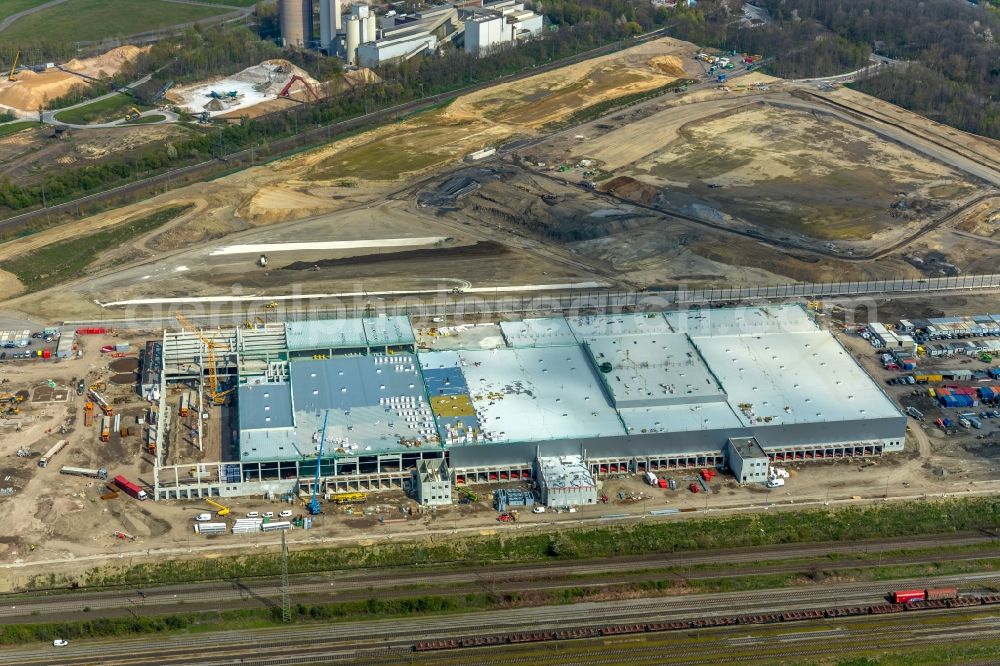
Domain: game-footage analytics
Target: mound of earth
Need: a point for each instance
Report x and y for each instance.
(630, 188)
(668, 64)
(276, 204)
(34, 89)
(107, 64)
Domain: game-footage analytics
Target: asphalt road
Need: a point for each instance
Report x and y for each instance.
(354, 641)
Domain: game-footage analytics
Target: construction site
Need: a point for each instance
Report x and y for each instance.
(544, 186)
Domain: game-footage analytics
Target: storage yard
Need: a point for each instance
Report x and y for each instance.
(240, 92)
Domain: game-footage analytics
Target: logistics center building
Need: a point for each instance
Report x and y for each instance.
(625, 393)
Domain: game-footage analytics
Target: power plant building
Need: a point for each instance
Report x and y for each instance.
(329, 24)
(295, 18)
(623, 393)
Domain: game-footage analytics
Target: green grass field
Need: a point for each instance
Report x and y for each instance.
(93, 20)
(63, 261)
(103, 111)
(231, 3)
(13, 128)
(10, 7)
(147, 120)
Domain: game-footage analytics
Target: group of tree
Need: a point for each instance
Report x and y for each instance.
(949, 50)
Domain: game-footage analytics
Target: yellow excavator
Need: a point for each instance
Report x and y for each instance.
(10, 76)
(220, 509)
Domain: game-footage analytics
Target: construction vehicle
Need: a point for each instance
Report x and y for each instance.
(10, 76)
(83, 471)
(349, 498)
(88, 414)
(56, 448)
(106, 429)
(105, 406)
(314, 508)
(288, 86)
(271, 306)
(220, 509)
(133, 114)
(215, 395)
(130, 488)
(11, 398)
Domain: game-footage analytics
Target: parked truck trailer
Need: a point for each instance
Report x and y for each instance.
(130, 488)
(56, 448)
(83, 471)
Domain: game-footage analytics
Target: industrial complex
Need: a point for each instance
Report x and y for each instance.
(561, 401)
(364, 39)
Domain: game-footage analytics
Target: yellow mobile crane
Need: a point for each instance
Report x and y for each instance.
(220, 509)
(216, 396)
(10, 77)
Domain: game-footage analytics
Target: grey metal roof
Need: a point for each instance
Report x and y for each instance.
(354, 381)
(381, 331)
(265, 406)
(653, 369)
(325, 334)
(544, 332)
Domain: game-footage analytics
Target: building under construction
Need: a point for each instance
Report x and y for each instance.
(626, 393)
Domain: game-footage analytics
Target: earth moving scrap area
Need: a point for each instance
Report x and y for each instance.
(761, 181)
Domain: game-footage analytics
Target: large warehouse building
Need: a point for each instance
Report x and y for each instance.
(625, 393)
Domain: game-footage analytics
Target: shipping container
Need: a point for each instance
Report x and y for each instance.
(91, 331)
(908, 596)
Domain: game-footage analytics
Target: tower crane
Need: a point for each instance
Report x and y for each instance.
(314, 508)
(216, 396)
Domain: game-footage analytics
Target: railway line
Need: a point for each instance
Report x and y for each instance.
(347, 585)
(386, 641)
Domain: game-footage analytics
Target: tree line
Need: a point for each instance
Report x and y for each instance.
(951, 49)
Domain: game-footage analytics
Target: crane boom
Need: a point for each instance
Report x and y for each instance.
(314, 507)
(10, 77)
(216, 396)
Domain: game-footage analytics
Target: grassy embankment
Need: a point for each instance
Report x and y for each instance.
(105, 110)
(814, 526)
(66, 260)
(7, 129)
(94, 20)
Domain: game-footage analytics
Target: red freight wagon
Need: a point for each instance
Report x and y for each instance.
(906, 596)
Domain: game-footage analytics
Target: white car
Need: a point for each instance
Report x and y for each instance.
(287, 513)
(269, 514)
(253, 514)
(538, 509)
(59, 643)
(203, 517)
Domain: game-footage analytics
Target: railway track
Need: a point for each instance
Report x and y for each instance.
(403, 633)
(385, 583)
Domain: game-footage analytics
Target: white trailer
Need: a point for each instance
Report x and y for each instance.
(83, 471)
(209, 528)
(56, 448)
(279, 525)
(651, 479)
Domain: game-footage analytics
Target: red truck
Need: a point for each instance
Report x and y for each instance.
(930, 594)
(130, 488)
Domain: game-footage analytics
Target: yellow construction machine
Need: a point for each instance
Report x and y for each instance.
(219, 508)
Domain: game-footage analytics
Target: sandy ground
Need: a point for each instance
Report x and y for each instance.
(34, 89)
(254, 86)
(348, 175)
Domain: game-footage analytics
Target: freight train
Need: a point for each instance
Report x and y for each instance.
(923, 602)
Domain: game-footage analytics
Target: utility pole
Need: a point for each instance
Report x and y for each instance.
(286, 602)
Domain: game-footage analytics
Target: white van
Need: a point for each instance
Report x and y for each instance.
(253, 514)
(287, 513)
(269, 514)
(538, 509)
(203, 517)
